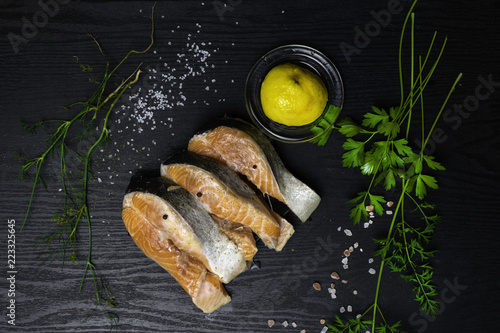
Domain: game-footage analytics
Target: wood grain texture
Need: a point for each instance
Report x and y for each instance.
(44, 75)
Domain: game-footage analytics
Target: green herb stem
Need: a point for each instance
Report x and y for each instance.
(76, 205)
(411, 70)
(400, 64)
(440, 112)
(383, 255)
(383, 157)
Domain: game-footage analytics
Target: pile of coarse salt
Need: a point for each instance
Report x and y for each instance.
(161, 89)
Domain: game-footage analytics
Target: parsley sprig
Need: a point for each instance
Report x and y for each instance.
(380, 148)
(88, 125)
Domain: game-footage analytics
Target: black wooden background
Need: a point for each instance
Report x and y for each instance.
(195, 71)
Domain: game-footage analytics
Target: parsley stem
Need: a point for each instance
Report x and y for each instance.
(401, 50)
(417, 87)
(418, 206)
(382, 256)
(418, 278)
(411, 71)
(422, 115)
(382, 315)
(440, 112)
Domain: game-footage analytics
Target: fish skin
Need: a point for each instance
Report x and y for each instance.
(174, 212)
(275, 180)
(223, 193)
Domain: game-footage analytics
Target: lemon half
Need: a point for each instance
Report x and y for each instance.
(292, 95)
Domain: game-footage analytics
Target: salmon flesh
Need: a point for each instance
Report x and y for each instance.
(223, 193)
(246, 150)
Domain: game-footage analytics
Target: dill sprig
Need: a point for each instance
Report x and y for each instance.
(380, 148)
(82, 127)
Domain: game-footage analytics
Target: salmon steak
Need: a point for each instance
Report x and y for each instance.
(246, 150)
(223, 193)
(173, 229)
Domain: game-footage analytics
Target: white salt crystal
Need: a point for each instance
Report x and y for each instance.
(348, 232)
(333, 292)
(371, 271)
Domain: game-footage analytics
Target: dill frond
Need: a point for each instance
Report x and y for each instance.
(63, 243)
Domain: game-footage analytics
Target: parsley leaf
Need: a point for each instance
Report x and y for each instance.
(373, 119)
(421, 182)
(348, 127)
(376, 201)
(327, 123)
(354, 156)
(389, 129)
(402, 147)
(433, 164)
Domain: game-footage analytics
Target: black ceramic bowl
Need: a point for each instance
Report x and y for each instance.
(307, 58)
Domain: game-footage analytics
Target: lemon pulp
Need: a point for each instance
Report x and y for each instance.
(292, 95)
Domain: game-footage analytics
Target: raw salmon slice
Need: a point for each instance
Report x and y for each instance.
(224, 194)
(206, 291)
(174, 211)
(246, 150)
(173, 228)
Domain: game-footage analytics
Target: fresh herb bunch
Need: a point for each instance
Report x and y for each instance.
(379, 147)
(63, 243)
